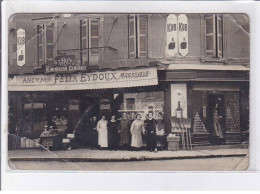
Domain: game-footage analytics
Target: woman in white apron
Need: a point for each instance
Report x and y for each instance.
(136, 130)
(102, 133)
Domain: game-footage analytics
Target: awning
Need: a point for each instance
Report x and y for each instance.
(84, 81)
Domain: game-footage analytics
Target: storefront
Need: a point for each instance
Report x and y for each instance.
(196, 93)
(67, 101)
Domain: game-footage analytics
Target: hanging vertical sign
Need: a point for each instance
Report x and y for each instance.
(183, 34)
(171, 35)
(20, 47)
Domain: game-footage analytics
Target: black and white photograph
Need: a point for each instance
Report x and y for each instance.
(128, 91)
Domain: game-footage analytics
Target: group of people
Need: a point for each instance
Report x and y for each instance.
(124, 133)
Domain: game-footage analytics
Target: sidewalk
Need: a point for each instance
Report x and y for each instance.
(87, 155)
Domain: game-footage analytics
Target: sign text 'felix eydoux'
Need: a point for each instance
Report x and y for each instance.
(176, 35)
(96, 80)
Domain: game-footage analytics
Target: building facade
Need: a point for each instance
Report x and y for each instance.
(65, 68)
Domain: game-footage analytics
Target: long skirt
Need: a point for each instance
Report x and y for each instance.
(151, 141)
(217, 129)
(102, 138)
(137, 139)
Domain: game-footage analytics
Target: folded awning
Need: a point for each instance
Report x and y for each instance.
(84, 81)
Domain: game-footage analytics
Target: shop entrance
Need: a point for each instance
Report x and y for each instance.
(215, 101)
(89, 107)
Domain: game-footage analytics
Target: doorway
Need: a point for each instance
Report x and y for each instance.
(213, 99)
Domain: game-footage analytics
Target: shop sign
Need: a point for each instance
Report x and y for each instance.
(183, 34)
(73, 105)
(20, 47)
(65, 64)
(171, 35)
(104, 104)
(179, 100)
(108, 79)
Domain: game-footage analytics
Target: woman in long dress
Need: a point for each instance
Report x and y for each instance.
(217, 132)
(151, 133)
(113, 135)
(102, 133)
(136, 130)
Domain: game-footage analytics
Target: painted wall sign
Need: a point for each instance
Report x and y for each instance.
(171, 35)
(65, 64)
(183, 34)
(109, 79)
(20, 47)
(178, 99)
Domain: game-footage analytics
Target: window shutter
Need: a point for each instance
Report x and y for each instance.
(219, 36)
(132, 36)
(210, 35)
(40, 44)
(142, 22)
(84, 41)
(50, 43)
(94, 36)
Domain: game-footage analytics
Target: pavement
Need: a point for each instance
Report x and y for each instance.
(88, 155)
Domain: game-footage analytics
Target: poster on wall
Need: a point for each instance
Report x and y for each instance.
(171, 36)
(20, 47)
(179, 100)
(183, 34)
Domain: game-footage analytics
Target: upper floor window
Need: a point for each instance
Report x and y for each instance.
(45, 43)
(214, 35)
(137, 36)
(89, 41)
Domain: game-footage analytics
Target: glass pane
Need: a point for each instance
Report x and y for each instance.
(220, 43)
(94, 42)
(131, 28)
(209, 43)
(49, 51)
(209, 25)
(143, 44)
(84, 31)
(220, 26)
(94, 30)
(49, 35)
(142, 26)
(84, 44)
(40, 38)
(131, 45)
(40, 52)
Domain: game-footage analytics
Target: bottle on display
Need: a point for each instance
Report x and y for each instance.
(179, 113)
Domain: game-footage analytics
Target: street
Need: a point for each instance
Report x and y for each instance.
(210, 164)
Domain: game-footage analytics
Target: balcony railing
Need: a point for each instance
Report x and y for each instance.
(89, 56)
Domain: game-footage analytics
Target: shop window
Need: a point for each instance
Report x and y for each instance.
(137, 36)
(45, 44)
(89, 41)
(143, 102)
(214, 35)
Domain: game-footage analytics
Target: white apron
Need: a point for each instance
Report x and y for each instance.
(102, 133)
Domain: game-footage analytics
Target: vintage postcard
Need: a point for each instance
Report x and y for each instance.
(128, 92)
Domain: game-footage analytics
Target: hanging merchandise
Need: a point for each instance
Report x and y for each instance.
(183, 34)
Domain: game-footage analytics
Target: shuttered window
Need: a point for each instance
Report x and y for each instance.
(50, 44)
(137, 39)
(84, 41)
(142, 36)
(94, 36)
(132, 36)
(40, 43)
(219, 36)
(90, 40)
(214, 35)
